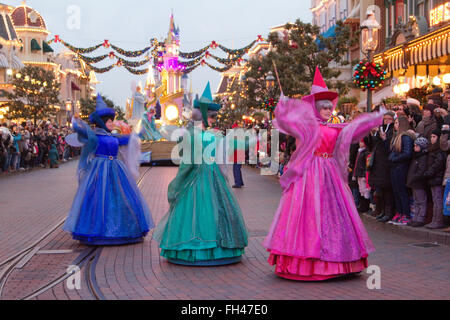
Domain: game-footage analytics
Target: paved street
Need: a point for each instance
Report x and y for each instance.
(34, 202)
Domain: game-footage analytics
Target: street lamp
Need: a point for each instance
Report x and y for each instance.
(369, 38)
(270, 85)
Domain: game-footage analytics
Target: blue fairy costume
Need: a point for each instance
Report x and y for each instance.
(108, 208)
(204, 225)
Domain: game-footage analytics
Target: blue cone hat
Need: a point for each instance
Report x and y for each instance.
(206, 103)
(101, 110)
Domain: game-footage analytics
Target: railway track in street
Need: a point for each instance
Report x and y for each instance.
(86, 261)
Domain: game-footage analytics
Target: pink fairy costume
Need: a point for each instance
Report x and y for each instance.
(316, 233)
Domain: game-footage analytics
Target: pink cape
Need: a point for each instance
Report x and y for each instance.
(316, 233)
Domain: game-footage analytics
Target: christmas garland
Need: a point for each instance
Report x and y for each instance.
(369, 75)
(80, 50)
(90, 60)
(270, 104)
(134, 71)
(101, 70)
(192, 62)
(218, 69)
(131, 54)
(241, 51)
(134, 64)
(189, 70)
(195, 54)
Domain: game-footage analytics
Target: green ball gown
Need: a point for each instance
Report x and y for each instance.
(204, 225)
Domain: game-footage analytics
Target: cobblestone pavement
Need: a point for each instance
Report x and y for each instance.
(138, 272)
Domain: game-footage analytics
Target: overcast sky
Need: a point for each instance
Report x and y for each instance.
(130, 24)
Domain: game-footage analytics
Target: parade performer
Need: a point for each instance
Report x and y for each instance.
(139, 101)
(204, 225)
(108, 208)
(149, 131)
(317, 233)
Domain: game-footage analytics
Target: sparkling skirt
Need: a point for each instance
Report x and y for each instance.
(317, 233)
(108, 208)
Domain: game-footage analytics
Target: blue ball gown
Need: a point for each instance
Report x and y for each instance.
(108, 208)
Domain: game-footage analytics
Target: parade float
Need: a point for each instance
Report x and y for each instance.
(161, 104)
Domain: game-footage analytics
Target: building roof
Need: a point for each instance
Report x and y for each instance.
(7, 31)
(25, 16)
(223, 85)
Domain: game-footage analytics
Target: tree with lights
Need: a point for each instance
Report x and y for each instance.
(234, 107)
(87, 106)
(35, 94)
(296, 56)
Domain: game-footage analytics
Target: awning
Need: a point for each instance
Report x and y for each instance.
(16, 63)
(47, 48)
(331, 32)
(418, 51)
(3, 61)
(75, 87)
(35, 45)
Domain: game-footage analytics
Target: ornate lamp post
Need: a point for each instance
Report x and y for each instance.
(270, 85)
(369, 43)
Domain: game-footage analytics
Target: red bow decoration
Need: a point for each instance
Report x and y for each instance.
(371, 70)
(111, 55)
(260, 38)
(207, 54)
(214, 45)
(106, 44)
(119, 63)
(203, 62)
(57, 39)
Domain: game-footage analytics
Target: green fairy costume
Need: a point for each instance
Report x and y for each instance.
(204, 225)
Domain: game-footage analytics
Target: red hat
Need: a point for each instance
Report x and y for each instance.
(320, 90)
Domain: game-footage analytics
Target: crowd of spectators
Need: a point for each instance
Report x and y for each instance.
(25, 146)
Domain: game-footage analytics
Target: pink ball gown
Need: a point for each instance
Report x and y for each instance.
(316, 233)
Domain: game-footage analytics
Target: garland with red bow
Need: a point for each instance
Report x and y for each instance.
(369, 75)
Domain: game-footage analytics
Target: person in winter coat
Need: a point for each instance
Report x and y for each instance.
(352, 182)
(53, 157)
(400, 157)
(435, 174)
(428, 123)
(379, 169)
(360, 175)
(417, 182)
(445, 146)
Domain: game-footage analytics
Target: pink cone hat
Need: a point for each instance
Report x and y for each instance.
(320, 90)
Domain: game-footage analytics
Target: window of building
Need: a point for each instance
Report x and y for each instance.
(399, 11)
(332, 15)
(343, 9)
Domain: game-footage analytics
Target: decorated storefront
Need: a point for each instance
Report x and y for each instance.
(419, 57)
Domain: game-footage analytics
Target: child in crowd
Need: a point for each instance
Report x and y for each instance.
(435, 174)
(417, 182)
(360, 175)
